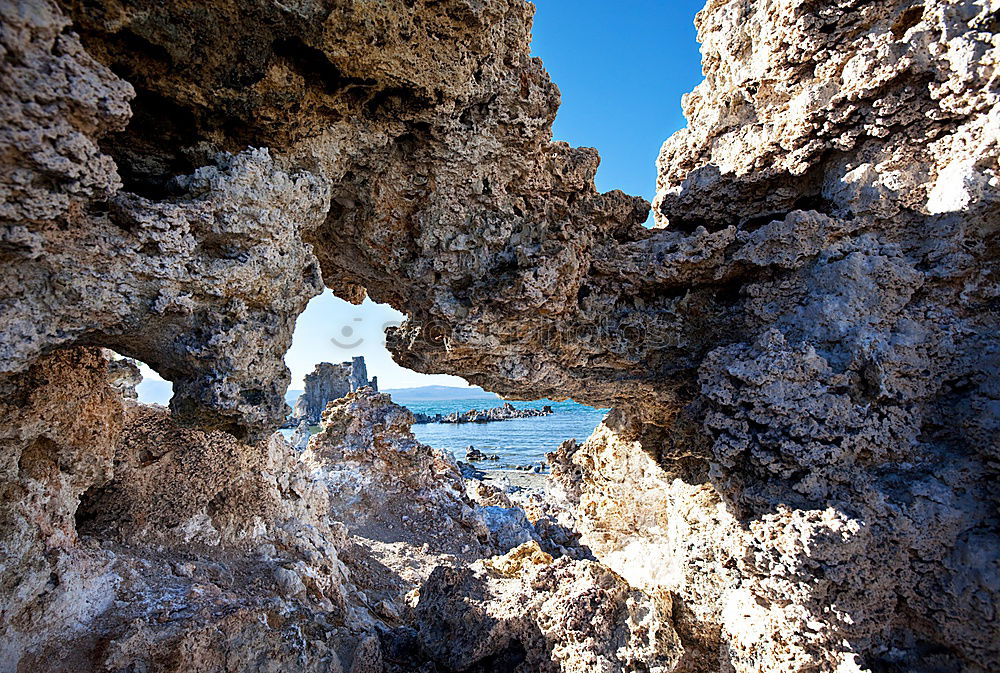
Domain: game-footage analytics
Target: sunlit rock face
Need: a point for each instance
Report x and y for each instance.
(131, 541)
(803, 353)
(835, 197)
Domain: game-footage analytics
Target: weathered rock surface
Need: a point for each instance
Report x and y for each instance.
(329, 382)
(191, 285)
(380, 477)
(144, 545)
(821, 490)
(125, 375)
(137, 542)
(60, 424)
(527, 612)
(803, 353)
(300, 437)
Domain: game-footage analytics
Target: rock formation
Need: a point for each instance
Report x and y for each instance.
(329, 382)
(125, 375)
(141, 544)
(203, 286)
(827, 455)
(137, 540)
(526, 611)
(299, 439)
(803, 353)
(507, 412)
(380, 476)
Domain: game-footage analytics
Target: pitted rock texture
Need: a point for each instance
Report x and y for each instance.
(803, 353)
(141, 544)
(430, 121)
(203, 286)
(60, 423)
(849, 407)
(834, 201)
(527, 612)
(137, 542)
(381, 478)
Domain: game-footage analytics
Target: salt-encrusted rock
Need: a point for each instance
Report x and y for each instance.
(380, 476)
(140, 542)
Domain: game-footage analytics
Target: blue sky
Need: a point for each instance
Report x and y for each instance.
(622, 68)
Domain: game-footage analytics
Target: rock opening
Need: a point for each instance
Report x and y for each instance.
(800, 472)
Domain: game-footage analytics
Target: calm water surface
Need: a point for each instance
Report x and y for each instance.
(517, 442)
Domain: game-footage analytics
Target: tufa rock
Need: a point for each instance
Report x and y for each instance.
(802, 353)
(329, 382)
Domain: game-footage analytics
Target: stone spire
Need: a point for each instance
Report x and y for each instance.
(330, 382)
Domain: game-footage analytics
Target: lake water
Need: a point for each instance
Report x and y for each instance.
(518, 442)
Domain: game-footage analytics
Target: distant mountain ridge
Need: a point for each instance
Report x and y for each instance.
(422, 394)
(439, 394)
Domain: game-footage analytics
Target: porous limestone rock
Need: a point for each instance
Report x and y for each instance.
(656, 529)
(381, 478)
(803, 352)
(449, 199)
(137, 542)
(527, 612)
(212, 276)
(59, 423)
(829, 458)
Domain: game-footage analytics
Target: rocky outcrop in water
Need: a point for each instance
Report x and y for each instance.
(803, 353)
(299, 439)
(506, 412)
(329, 382)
